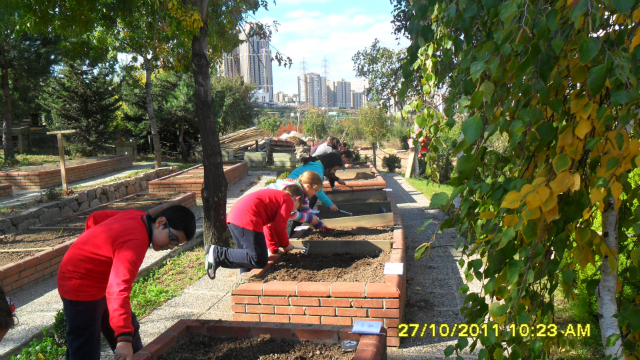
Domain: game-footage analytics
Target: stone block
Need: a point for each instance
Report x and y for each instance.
(143, 185)
(111, 196)
(255, 159)
(122, 192)
(11, 230)
(137, 187)
(82, 197)
(66, 212)
(228, 156)
(74, 205)
(27, 224)
(91, 194)
(126, 182)
(131, 190)
(94, 203)
(284, 157)
(84, 206)
(104, 199)
(282, 163)
(98, 192)
(50, 215)
(29, 214)
(5, 224)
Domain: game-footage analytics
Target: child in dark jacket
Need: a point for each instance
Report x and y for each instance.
(96, 276)
(253, 215)
(7, 314)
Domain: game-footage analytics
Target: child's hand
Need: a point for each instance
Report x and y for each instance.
(288, 248)
(333, 208)
(341, 182)
(315, 220)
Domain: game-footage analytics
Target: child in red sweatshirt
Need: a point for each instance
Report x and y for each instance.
(7, 313)
(254, 214)
(97, 273)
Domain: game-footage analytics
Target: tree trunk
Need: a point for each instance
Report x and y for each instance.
(183, 147)
(152, 118)
(606, 291)
(214, 190)
(7, 120)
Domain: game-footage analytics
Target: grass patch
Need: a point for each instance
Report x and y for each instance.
(428, 188)
(167, 282)
(113, 179)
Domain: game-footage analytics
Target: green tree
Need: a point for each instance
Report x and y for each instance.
(85, 99)
(314, 123)
(239, 110)
(559, 80)
(374, 122)
(381, 66)
(270, 124)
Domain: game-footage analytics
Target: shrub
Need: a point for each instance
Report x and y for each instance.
(269, 182)
(284, 175)
(45, 349)
(52, 194)
(367, 158)
(60, 329)
(356, 156)
(391, 162)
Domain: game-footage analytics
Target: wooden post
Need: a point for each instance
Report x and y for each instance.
(256, 146)
(63, 173)
(374, 156)
(410, 161)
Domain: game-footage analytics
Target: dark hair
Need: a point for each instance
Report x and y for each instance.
(180, 218)
(294, 190)
(7, 320)
(347, 153)
(329, 161)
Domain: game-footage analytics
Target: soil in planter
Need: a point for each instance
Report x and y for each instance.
(336, 214)
(70, 228)
(357, 176)
(350, 233)
(194, 346)
(331, 268)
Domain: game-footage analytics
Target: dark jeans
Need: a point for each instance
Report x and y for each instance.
(312, 203)
(85, 321)
(250, 252)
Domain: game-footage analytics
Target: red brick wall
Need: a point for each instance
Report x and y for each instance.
(338, 303)
(46, 263)
(50, 178)
(373, 184)
(6, 190)
(370, 347)
(171, 183)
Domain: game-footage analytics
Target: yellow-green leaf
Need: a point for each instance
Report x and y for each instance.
(561, 163)
(487, 215)
(512, 200)
(584, 126)
(616, 190)
(510, 220)
(561, 183)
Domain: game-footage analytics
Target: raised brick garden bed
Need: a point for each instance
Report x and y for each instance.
(331, 303)
(354, 180)
(192, 179)
(42, 177)
(6, 190)
(46, 263)
(370, 347)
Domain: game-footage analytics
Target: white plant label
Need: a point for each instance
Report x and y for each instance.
(300, 228)
(387, 189)
(366, 327)
(393, 268)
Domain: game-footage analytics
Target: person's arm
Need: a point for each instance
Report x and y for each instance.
(270, 238)
(324, 198)
(99, 216)
(127, 259)
(279, 225)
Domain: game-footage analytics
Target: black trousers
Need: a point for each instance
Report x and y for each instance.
(86, 320)
(312, 203)
(250, 253)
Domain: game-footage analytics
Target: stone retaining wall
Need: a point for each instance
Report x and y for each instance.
(172, 183)
(337, 303)
(6, 190)
(84, 200)
(46, 263)
(50, 178)
(370, 347)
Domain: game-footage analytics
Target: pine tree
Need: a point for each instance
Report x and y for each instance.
(84, 99)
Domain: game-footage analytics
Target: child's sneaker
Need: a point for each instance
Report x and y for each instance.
(209, 261)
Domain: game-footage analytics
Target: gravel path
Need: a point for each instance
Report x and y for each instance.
(432, 283)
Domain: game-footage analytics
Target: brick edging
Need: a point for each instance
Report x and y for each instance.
(370, 347)
(46, 263)
(335, 303)
(170, 182)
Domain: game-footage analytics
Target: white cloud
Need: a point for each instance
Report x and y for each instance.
(312, 36)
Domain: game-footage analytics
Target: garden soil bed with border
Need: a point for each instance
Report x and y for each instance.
(226, 340)
(369, 208)
(192, 178)
(351, 182)
(350, 233)
(17, 271)
(329, 302)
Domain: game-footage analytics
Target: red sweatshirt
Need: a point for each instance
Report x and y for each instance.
(266, 211)
(105, 260)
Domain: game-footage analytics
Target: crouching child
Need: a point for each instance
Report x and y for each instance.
(96, 276)
(253, 215)
(7, 313)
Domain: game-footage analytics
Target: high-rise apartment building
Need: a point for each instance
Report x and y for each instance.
(252, 61)
(357, 100)
(341, 91)
(312, 90)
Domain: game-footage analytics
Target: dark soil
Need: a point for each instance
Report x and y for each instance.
(350, 233)
(331, 268)
(196, 346)
(70, 228)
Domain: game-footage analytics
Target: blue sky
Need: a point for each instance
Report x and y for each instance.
(337, 29)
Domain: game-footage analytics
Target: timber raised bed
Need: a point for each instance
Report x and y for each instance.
(206, 339)
(368, 295)
(192, 179)
(46, 176)
(51, 242)
(359, 177)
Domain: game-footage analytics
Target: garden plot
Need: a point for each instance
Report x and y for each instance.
(357, 209)
(347, 239)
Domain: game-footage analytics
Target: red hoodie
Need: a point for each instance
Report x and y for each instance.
(105, 260)
(266, 211)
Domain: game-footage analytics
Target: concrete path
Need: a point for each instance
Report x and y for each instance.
(38, 302)
(21, 196)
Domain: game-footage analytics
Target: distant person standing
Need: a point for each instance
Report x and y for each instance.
(330, 145)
